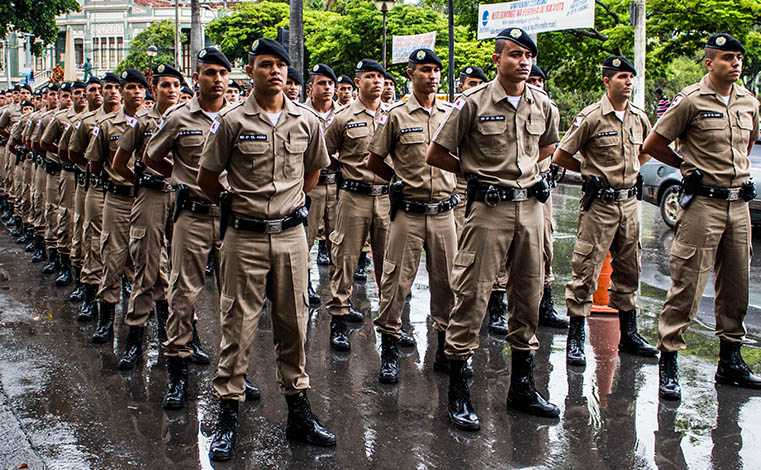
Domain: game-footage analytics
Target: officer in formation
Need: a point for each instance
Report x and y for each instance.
(344, 89)
(293, 83)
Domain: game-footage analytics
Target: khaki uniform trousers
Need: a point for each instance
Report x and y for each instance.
(148, 249)
(194, 237)
(17, 175)
(52, 192)
(408, 235)
(255, 265)
(716, 234)
(65, 217)
(38, 200)
(605, 227)
(114, 247)
(78, 247)
(92, 271)
(26, 191)
(357, 215)
(510, 233)
(548, 248)
(324, 198)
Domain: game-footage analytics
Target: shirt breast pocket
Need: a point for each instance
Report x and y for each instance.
(294, 158)
(534, 130)
(492, 137)
(607, 147)
(252, 155)
(745, 127)
(412, 138)
(191, 144)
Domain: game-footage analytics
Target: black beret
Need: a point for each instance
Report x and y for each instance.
(134, 76)
(266, 46)
(211, 55)
(164, 70)
(369, 65)
(519, 37)
(725, 42)
(537, 72)
(149, 96)
(187, 91)
(234, 84)
(388, 76)
(474, 72)
(424, 56)
(295, 75)
(92, 80)
(17, 87)
(26, 87)
(54, 87)
(324, 70)
(66, 87)
(79, 84)
(111, 78)
(619, 64)
(27, 103)
(344, 80)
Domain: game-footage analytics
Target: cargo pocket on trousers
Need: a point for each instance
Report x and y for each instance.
(135, 235)
(579, 259)
(460, 265)
(681, 256)
(226, 304)
(388, 267)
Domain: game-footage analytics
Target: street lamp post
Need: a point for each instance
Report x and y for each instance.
(384, 6)
(151, 51)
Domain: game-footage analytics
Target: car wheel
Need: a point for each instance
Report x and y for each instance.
(670, 204)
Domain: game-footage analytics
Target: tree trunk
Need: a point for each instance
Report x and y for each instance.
(196, 33)
(296, 36)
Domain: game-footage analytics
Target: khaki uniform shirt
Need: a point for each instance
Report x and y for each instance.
(265, 164)
(82, 132)
(325, 122)
(43, 122)
(713, 136)
(21, 125)
(496, 142)
(105, 141)
(349, 136)
(68, 131)
(405, 134)
(26, 133)
(136, 137)
(609, 148)
(54, 130)
(10, 116)
(182, 131)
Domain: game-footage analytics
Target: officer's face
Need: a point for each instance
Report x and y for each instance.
(27, 109)
(184, 97)
(16, 97)
(212, 80)
(269, 74)
(51, 100)
(370, 84)
(388, 90)
(79, 97)
(620, 85)
(94, 98)
(513, 63)
(469, 82)
(112, 94)
(134, 94)
(232, 95)
(425, 78)
(323, 88)
(24, 95)
(726, 66)
(2, 100)
(65, 100)
(536, 81)
(147, 103)
(292, 89)
(343, 92)
(167, 91)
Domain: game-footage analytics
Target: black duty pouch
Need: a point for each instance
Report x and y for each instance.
(181, 196)
(542, 190)
(748, 191)
(225, 205)
(690, 187)
(395, 197)
(470, 192)
(591, 188)
(640, 186)
(139, 171)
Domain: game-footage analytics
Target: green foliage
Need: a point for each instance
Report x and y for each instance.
(249, 21)
(36, 17)
(159, 34)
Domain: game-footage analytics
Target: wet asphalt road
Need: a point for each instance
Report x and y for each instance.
(65, 405)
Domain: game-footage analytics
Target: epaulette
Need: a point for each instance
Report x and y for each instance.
(174, 108)
(396, 105)
(61, 111)
(476, 89)
(341, 110)
(639, 110)
(106, 117)
(143, 112)
(226, 110)
(88, 114)
(536, 88)
(688, 90)
(307, 108)
(586, 111)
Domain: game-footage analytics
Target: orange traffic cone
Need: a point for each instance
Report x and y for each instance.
(600, 297)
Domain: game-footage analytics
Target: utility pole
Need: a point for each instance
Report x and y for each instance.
(177, 43)
(196, 33)
(450, 44)
(638, 19)
(296, 38)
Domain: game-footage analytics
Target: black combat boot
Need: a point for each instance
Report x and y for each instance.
(104, 330)
(405, 340)
(668, 376)
(354, 315)
(39, 250)
(177, 389)
(303, 425)
(133, 350)
(252, 392)
(7, 209)
(19, 231)
(323, 259)
(440, 361)
(89, 305)
(360, 274)
(222, 446)
(339, 334)
(523, 395)
(548, 316)
(389, 369)
(732, 368)
(631, 341)
(161, 307)
(15, 224)
(78, 294)
(53, 262)
(64, 278)
(574, 348)
(199, 356)
(497, 313)
(460, 409)
(314, 297)
(27, 238)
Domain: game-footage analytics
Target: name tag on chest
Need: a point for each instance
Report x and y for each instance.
(114, 137)
(252, 137)
(411, 129)
(195, 132)
(490, 118)
(607, 133)
(711, 115)
(356, 124)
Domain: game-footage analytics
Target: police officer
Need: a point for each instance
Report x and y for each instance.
(608, 135)
(148, 217)
(232, 94)
(501, 118)
(389, 89)
(182, 132)
(10, 117)
(324, 197)
(363, 206)
(186, 94)
(344, 89)
(293, 83)
(422, 200)
(717, 123)
(272, 149)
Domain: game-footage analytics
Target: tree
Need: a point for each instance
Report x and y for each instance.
(196, 32)
(159, 34)
(296, 34)
(36, 17)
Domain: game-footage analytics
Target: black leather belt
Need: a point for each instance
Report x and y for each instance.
(432, 208)
(154, 182)
(69, 167)
(609, 195)
(492, 195)
(95, 181)
(365, 188)
(727, 194)
(119, 190)
(52, 167)
(39, 159)
(327, 178)
(197, 206)
(268, 225)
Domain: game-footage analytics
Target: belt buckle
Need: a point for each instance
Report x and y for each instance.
(193, 206)
(431, 209)
(376, 190)
(329, 179)
(733, 194)
(214, 211)
(520, 194)
(622, 195)
(273, 226)
(491, 198)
